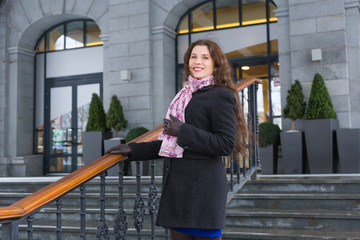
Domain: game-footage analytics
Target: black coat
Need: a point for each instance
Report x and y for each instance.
(195, 188)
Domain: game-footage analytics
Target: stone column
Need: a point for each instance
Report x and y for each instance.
(352, 19)
(282, 13)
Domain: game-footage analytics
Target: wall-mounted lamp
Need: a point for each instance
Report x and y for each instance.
(125, 75)
(316, 54)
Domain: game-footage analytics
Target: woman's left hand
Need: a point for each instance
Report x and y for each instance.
(172, 127)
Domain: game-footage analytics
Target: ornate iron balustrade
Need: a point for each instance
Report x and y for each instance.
(28, 206)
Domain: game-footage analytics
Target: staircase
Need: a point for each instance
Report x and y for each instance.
(272, 207)
(44, 224)
(296, 207)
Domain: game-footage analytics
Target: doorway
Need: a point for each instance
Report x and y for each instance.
(67, 101)
(268, 94)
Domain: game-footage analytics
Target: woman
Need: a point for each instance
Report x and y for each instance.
(204, 122)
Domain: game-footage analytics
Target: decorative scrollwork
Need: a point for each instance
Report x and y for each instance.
(138, 213)
(102, 231)
(121, 225)
(153, 202)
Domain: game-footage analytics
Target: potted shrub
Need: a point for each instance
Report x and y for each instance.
(144, 165)
(115, 119)
(292, 141)
(96, 131)
(269, 140)
(319, 125)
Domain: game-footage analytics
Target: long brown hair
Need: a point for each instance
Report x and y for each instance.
(223, 77)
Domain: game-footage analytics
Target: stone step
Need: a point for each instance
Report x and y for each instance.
(305, 184)
(30, 185)
(73, 233)
(239, 233)
(275, 201)
(71, 217)
(73, 199)
(294, 219)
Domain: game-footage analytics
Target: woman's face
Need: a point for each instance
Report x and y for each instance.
(200, 63)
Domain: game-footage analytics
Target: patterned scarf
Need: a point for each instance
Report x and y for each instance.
(169, 146)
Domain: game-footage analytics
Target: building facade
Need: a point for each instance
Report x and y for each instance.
(54, 54)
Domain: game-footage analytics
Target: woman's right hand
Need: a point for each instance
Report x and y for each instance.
(123, 149)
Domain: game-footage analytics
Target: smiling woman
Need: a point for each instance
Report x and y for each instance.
(203, 123)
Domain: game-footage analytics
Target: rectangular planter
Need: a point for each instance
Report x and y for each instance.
(319, 139)
(268, 159)
(92, 145)
(292, 151)
(348, 142)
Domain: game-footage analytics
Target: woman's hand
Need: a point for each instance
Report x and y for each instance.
(123, 149)
(172, 127)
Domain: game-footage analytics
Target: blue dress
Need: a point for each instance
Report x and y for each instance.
(200, 232)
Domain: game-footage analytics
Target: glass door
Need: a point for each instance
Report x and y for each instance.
(268, 95)
(66, 115)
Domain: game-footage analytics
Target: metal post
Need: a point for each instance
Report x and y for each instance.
(153, 202)
(58, 218)
(102, 231)
(139, 210)
(82, 212)
(10, 230)
(30, 229)
(121, 224)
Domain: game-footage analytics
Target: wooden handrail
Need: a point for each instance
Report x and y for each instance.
(56, 189)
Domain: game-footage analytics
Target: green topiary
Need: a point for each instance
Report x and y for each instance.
(115, 116)
(295, 104)
(135, 132)
(320, 105)
(269, 133)
(97, 117)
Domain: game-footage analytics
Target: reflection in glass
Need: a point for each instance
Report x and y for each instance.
(184, 25)
(84, 94)
(74, 34)
(60, 116)
(92, 34)
(272, 17)
(253, 12)
(181, 78)
(202, 18)
(40, 47)
(60, 164)
(55, 39)
(227, 14)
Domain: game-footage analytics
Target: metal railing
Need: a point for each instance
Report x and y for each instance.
(27, 207)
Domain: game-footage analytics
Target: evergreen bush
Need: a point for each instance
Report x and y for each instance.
(115, 116)
(269, 133)
(135, 132)
(320, 105)
(97, 117)
(295, 104)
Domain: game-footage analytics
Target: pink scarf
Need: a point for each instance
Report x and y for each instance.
(169, 146)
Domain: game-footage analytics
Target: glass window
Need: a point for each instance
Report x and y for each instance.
(55, 39)
(227, 13)
(40, 47)
(183, 44)
(233, 42)
(184, 25)
(272, 17)
(202, 18)
(253, 12)
(74, 34)
(92, 34)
